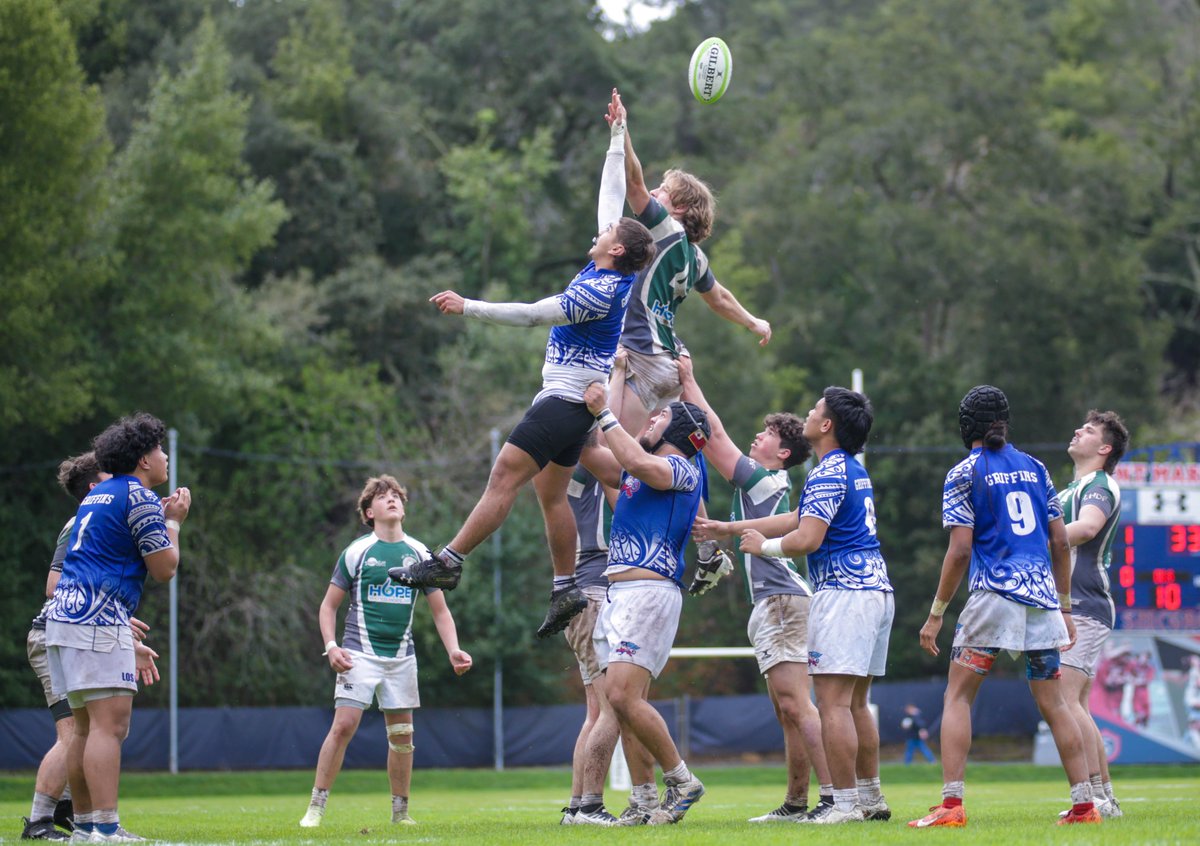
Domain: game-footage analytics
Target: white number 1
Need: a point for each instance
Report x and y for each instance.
(82, 529)
(869, 505)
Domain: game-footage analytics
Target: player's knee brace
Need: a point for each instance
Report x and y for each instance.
(397, 729)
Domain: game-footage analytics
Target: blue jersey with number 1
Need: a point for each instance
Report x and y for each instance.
(117, 525)
(1007, 499)
(838, 492)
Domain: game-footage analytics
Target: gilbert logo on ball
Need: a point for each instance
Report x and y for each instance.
(710, 70)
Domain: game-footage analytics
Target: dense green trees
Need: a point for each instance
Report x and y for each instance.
(233, 214)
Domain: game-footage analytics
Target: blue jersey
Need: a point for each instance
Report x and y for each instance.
(838, 492)
(1007, 499)
(650, 527)
(117, 525)
(582, 351)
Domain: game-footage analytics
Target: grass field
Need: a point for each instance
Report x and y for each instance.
(1007, 805)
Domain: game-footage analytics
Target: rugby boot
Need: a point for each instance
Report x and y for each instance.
(784, 813)
(600, 817)
(312, 817)
(568, 816)
(121, 835)
(42, 829)
(676, 801)
(565, 603)
(834, 816)
(1091, 815)
(635, 814)
(876, 810)
(403, 818)
(823, 806)
(950, 816)
(1110, 809)
(435, 572)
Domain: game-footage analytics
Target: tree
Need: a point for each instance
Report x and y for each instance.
(52, 155)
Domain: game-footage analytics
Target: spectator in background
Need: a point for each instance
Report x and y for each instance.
(916, 733)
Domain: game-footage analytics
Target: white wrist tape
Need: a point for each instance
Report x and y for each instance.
(938, 608)
(173, 524)
(331, 645)
(607, 420)
(1064, 599)
(773, 548)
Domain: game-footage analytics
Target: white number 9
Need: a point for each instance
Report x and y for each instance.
(1020, 511)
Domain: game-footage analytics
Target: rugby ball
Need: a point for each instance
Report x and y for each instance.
(710, 70)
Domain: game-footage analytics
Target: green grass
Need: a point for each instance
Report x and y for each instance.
(1007, 805)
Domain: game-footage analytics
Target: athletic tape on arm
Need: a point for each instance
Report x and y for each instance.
(612, 180)
(398, 729)
(546, 312)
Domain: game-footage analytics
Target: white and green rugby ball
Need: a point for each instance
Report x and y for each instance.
(711, 70)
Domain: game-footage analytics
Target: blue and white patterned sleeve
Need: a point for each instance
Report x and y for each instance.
(146, 522)
(685, 475)
(589, 299)
(824, 491)
(957, 509)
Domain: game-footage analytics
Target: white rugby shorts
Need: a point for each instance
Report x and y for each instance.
(390, 681)
(991, 620)
(778, 630)
(579, 634)
(638, 623)
(90, 658)
(848, 632)
(1090, 636)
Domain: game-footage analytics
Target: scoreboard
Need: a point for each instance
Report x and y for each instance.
(1155, 570)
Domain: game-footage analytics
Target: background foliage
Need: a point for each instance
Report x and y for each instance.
(231, 214)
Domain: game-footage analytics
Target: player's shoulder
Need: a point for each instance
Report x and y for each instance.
(358, 547)
(963, 470)
(65, 531)
(833, 465)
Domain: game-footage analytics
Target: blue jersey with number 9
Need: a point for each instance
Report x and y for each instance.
(838, 492)
(1008, 500)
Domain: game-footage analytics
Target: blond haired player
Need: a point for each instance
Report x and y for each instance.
(377, 660)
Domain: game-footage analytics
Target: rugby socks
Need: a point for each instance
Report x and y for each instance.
(1098, 793)
(868, 791)
(319, 798)
(399, 807)
(644, 794)
(573, 805)
(450, 556)
(84, 823)
(1108, 791)
(590, 803)
(43, 807)
(561, 582)
(952, 793)
(1081, 797)
(845, 800)
(106, 822)
(678, 774)
(825, 794)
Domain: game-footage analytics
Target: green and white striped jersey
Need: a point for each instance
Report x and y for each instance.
(678, 267)
(1090, 594)
(759, 492)
(379, 619)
